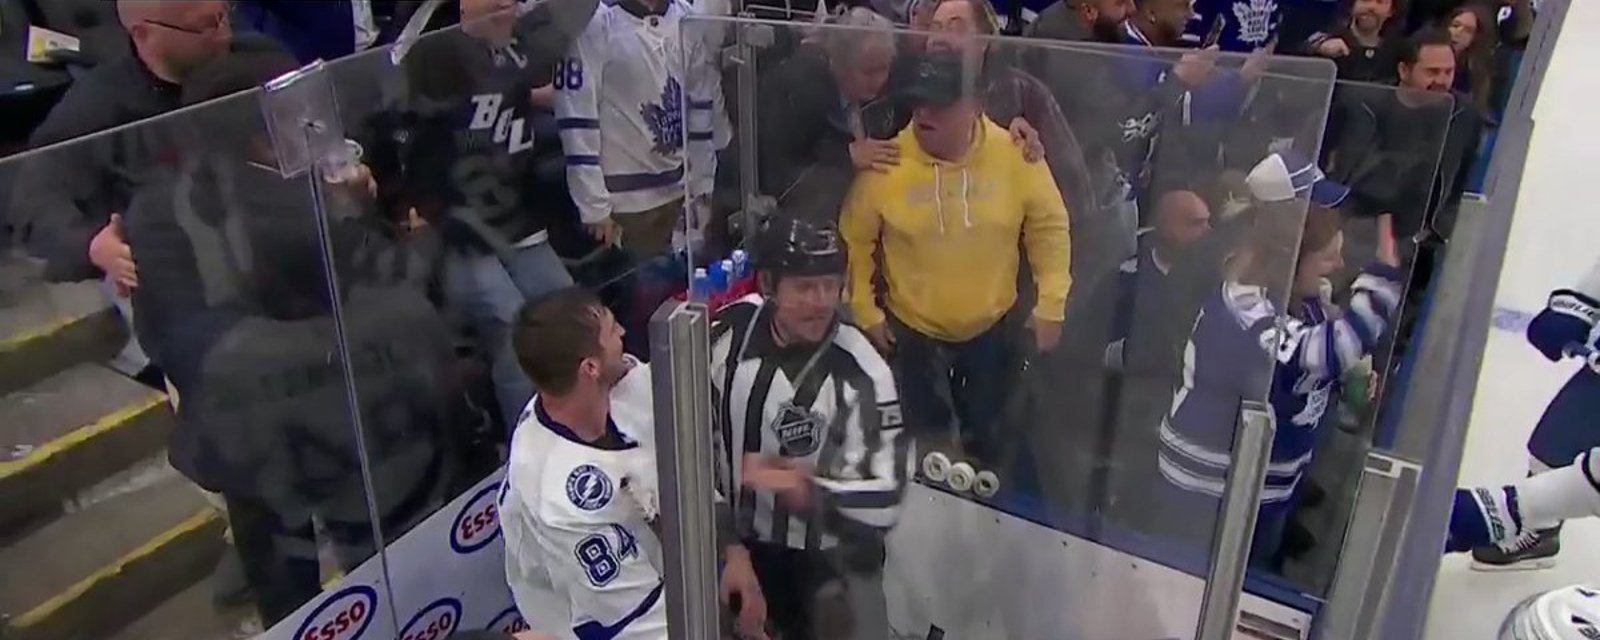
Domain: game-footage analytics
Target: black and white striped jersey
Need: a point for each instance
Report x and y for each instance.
(832, 404)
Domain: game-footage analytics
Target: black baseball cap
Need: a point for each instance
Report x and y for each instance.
(937, 78)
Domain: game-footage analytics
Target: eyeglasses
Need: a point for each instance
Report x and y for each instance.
(216, 22)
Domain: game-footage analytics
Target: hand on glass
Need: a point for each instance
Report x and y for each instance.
(1195, 68)
(1027, 139)
(871, 154)
(111, 253)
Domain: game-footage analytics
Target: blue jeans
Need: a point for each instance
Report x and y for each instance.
(489, 290)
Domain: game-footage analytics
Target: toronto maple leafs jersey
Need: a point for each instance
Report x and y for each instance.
(635, 105)
(1247, 25)
(576, 515)
(1242, 348)
(833, 405)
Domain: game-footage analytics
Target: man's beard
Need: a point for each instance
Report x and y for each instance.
(1106, 31)
(1368, 21)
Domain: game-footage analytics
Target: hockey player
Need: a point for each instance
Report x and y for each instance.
(581, 484)
(812, 418)
(633, 94)
(1566, 431)
(1300, 353)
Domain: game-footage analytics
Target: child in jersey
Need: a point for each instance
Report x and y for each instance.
(1244, 348)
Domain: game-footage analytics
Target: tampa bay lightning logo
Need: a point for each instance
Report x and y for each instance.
(665, 118)
(588, 488)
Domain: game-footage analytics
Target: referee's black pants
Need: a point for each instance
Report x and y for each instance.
(808, 592)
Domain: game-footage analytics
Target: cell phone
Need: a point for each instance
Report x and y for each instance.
(1217, 24)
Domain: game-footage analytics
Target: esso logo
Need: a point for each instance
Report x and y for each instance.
(434, 622)
(344, 615)
(509, 622)
(478, 524)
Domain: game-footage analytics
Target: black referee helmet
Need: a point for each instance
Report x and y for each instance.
(788, 246)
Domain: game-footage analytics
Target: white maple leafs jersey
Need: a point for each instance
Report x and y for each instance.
(579, 547)
(635, 102)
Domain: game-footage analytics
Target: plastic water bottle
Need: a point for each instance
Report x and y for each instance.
(729, 271)
(700, 286)
(719, 277)
(741, 264)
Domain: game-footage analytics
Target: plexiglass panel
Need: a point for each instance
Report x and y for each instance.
(1063, 272)
(172, 260)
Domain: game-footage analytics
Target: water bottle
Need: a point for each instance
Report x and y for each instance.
(700, 286)
(719, 278)
(741, 264)
(729, 273)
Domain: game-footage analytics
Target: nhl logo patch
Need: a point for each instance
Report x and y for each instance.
(588, 488)
(799, 431)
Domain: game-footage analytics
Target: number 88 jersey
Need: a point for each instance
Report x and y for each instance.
(579, 548)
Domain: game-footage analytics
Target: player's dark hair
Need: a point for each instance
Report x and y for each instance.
(553, 334)
(1430, 37)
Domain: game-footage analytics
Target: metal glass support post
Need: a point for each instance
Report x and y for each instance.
(680, 364)
(749, 38)
(1388, 485)
(1230, 550)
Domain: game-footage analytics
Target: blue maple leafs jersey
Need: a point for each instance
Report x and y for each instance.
(1247, 24)
(1242, 348)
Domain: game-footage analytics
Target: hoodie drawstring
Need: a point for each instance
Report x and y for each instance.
(938, 197)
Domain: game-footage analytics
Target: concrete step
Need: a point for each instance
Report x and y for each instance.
(69, 432)
(45, 328)
(190, 615)
(118, 552)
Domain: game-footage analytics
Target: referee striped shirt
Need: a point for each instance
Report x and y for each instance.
(833, 405)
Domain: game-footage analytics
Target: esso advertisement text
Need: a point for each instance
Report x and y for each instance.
(478, 524)
(434, 622)
(343, 615)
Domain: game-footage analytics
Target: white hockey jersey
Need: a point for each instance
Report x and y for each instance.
(631, 98)
(579, 548)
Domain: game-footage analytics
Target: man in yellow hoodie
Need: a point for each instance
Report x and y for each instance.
(947, 221)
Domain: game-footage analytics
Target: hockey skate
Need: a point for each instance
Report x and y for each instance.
(1531, 551)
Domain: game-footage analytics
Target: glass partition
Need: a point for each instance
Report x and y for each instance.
(127, 512)
(1069, 271)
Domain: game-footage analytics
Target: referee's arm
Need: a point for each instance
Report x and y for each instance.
(865, 482)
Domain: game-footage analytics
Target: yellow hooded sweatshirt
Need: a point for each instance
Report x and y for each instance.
(948, 232)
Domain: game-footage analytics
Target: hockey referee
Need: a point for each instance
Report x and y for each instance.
(812, 411)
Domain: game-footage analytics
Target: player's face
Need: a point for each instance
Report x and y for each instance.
(945, 131)
(955, 27)
(610, 365)
(1370, 15)
(863, 79)
(805, 306)
(1435, 70)
(1318, 264)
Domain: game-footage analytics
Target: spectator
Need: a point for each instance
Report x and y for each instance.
(1473, 40)
(1082, 21)
(470, 165)
(1366, 46)
(326, 30)
(236, 305)
(1240, 335)
(825, 115)
(67, 204)
(1026, 108)
(960, 193)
